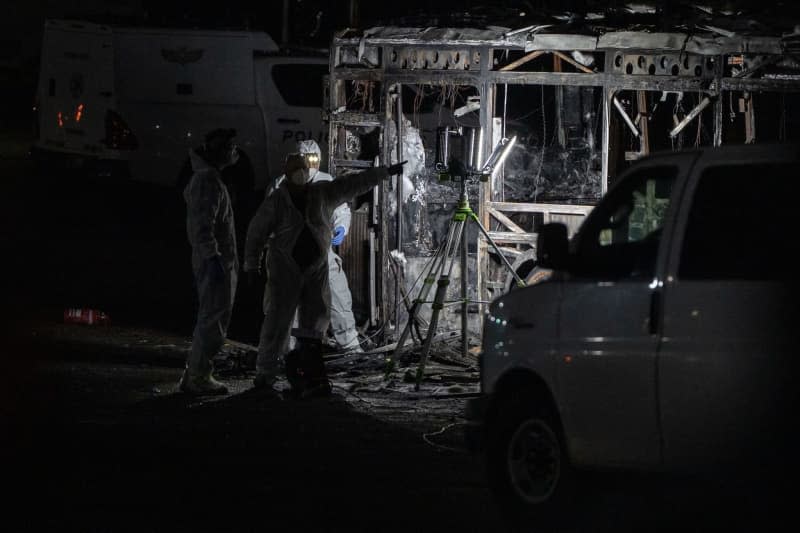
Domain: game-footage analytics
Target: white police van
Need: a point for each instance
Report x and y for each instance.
(664, 338)
(137, 98)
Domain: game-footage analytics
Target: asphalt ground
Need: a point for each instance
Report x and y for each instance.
(111, 446)
(96, 437)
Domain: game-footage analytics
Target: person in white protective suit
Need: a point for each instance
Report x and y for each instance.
(211, 230)
(294, 224)
(343, 323)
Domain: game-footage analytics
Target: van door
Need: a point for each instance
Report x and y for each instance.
(76, 87)
(726, 366)
(292, 101)
(607, 357)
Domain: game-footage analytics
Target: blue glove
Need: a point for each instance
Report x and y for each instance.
(338, 236)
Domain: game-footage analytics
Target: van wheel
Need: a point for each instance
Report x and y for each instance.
(528, 468)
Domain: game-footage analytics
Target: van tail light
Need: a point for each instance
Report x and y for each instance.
(118, 135)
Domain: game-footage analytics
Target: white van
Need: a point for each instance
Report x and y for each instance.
(665, 337)
(140, 97)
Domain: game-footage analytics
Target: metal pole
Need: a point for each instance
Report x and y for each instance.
(625, 117)
(487, 92)
(718, 64)
(352, 17)
(688, 118)
(641, 106)
(464, 280)
(608, 94)
(399, 230)
(384, 296)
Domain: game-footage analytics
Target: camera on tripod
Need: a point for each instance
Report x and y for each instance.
(468, 142)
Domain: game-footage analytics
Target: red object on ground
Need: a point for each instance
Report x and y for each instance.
(90, 317)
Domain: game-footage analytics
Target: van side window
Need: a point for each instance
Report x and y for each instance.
(300, 84)
(622, 239)
(742, 224)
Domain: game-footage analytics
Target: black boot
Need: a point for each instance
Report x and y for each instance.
(317, 383)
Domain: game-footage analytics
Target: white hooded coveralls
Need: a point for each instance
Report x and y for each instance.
(211, 230)
(343, 323)
(277, 225)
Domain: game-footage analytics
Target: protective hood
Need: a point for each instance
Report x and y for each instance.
(200, 163)
(232, 160)
(197, 161)
(209, 214)
(310, 147)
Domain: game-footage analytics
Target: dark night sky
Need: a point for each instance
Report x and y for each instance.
(266, 14)
(314, 21)
(333, 15)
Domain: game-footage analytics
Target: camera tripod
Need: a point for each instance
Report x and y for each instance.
(439, 271)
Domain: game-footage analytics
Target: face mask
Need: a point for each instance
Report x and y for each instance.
(230, 158)
(233, 158)
(299, 177)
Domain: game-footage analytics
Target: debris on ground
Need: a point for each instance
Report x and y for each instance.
(375, 372)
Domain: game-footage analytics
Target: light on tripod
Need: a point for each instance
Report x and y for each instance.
(442, 164)
(478, 150)
(471, 143)
(497, 157)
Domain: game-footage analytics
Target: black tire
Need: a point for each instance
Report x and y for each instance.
(527, 464)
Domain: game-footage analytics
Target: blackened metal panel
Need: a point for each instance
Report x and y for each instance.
(354, 252)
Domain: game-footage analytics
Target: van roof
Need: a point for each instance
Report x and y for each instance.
(76, 25)
(261, 40)
(787, 150)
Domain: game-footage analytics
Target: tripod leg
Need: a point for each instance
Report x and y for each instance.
(520, 281)
(464, 291)
(412, 314)
(408, 304)
(441, 292)
(433, 275)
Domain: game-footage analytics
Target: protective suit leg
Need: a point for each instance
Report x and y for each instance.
(343, 323)
(213, 316)
(314, 306)
(314, 319)
(280, 300)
